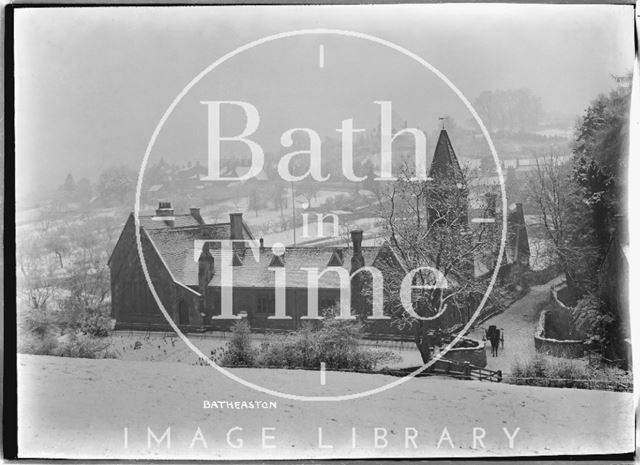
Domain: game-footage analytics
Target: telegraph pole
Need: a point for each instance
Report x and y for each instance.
(293, 212)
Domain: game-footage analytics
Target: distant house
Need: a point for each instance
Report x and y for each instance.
(164, 237)
(517, 253)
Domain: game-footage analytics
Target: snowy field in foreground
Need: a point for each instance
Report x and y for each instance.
(78, 408)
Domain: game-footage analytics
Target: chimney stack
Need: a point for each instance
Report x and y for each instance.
(357, 260)
(206, 268)
(490, 204)
(195, 213)
(356, 238)
(236, 226)
(261, 243)
(164, 209)
(357, 283)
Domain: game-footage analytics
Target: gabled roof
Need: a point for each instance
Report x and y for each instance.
(177, 246)
(337, 258)
(177, 249)
(256, 273)
(151, 223)
(277, 260)
(445, 165)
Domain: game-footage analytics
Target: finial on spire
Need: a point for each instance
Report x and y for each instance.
(442, 120)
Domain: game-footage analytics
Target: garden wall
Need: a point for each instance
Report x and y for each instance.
(558, 324)
(468, 350)
(557, 347)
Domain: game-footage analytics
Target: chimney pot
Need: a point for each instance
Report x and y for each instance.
(261, 243)
(490, 199)
(164, 209)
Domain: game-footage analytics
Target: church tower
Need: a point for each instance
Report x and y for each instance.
(448, 195)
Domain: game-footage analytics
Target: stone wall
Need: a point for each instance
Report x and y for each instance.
(558, 325)
(557, 347)
(472, 351)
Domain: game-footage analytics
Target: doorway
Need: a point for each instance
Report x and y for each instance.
(183, 313)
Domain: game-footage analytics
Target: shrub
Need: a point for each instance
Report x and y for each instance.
(82, 346)
(94, 321)
(38, 321)
(335, 342)
(39, 334)
(590, 321)
(239, 351)
(36, 331)
(97, 322)
(337, 345)
(287, 350)
(541, 371)
(31, 343)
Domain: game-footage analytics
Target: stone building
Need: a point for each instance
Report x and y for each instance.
(187, 264)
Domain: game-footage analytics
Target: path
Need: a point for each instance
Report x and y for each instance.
(519, 322)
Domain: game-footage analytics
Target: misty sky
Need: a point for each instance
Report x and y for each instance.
(92, 83)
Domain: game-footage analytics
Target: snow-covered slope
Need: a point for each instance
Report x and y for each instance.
(80, 408)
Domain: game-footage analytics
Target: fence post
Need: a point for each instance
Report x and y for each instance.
(467, 369)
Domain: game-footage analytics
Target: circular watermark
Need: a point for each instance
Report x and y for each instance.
(271, 38)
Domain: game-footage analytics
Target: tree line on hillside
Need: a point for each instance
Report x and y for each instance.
(580, 204)
(517, 110)
(512, 116)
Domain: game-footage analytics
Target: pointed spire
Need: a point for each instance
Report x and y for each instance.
(445, 165)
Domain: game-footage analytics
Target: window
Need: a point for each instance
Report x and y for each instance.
(266, 305)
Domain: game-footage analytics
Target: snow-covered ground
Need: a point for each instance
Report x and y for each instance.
(79, 408)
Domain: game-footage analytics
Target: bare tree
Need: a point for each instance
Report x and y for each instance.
(88, 276)
(426, 224)
(307, 190)
(565, 218)
(279, 192)
(35, 274)
(56, 241)
(256, 199)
